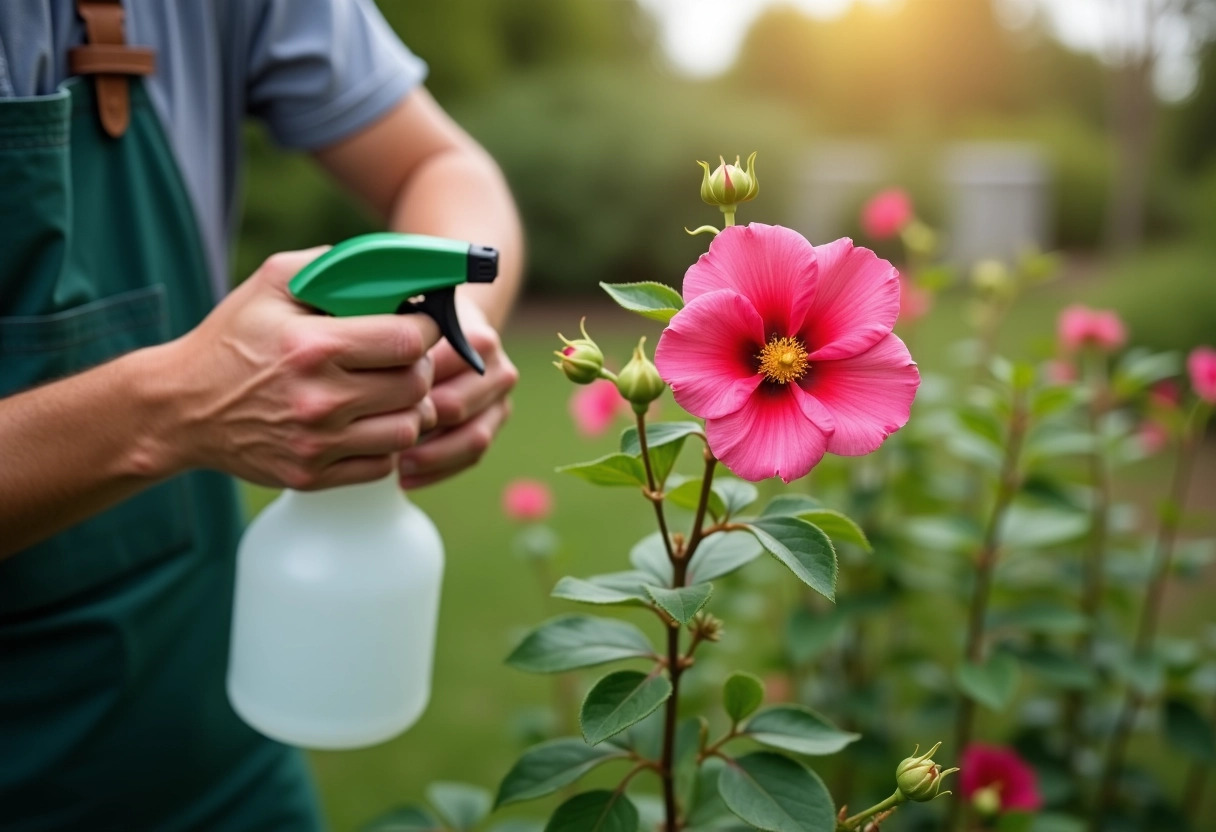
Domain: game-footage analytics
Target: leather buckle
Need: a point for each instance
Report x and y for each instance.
(110, 60)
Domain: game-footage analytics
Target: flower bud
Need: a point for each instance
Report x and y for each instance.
(919, 238)
(639, 381)
(581, 360)
(919, 778)
(992, 278)
(729, 185)
(987, 801)
(706, 626)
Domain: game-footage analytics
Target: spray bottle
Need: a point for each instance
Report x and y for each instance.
(337, 591)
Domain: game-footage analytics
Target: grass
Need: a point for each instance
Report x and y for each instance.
(473, 729)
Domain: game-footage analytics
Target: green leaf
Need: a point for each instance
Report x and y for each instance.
(625, 588)
(683, 603)
(518, 825)
(664, 440)
(599, 811)
(837, 526)
(790, 505)
(461, 805)
(802, 547)
(650, 300)
(614, 469)
(736, 494)
(992, 683)
(1040, 618)
(405, 819)
(1188, 731)
(1057, 669)
(649, 555)
(774, 793)
(1026, 527)
(720, 554)
(619, 700)
(798, 729)
(1141, 368)
(688, 495)
(742, 694)
(545, 768)
(571, 641)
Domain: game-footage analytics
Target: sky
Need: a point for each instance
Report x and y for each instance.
(702, 37)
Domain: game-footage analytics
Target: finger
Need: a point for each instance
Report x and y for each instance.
(459, 399)
(455, 449)
(280, 268)
(387, 433)
(353, 470)
(369, 342)
(373, 392)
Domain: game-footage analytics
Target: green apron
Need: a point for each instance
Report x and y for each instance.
(114, 633)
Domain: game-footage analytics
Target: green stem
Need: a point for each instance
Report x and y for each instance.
(890, 803)
(728, 215)
(652, 492)
(698, 523)
(1150, 613)
(985, 565)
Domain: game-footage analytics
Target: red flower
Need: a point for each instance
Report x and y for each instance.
(527, 500)
(1201, 365)
(595, 407)
(1080, 326)
(886, 214)
(989, 770)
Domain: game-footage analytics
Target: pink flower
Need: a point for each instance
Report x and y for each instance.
(886, 214)
(1165, 395)
(1001, 771)
(785, 349)
(595, 406)
(1060, 372)
(1079, 326)
(914, 302)
(1153, 436)
(527, 500)
(1201, 365)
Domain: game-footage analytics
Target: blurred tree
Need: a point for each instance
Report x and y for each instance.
(1195, 123)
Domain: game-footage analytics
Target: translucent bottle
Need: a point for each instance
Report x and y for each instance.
(337, 601)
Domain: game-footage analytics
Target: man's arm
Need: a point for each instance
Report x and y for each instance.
(425, 175)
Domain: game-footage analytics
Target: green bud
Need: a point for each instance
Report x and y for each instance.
(987, 801)
(581, 360)
(919, 238)
(639, 381)
(729, 185)
(919, 778)
(992, 278)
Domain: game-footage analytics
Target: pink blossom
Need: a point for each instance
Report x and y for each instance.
(1201, 365)
(914, 302)
(1153, 436)
(1165, 395)
(595, 406)
(1079, 326)
(527, 500)
(1003, 771)
(786, 350)
(886, 214)
(1060, 372)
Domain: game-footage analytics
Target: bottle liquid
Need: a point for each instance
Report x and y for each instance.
(337, 591)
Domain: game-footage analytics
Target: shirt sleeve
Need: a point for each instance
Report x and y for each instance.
(319, 70)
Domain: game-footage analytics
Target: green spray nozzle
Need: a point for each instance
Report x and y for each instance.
(387, 273)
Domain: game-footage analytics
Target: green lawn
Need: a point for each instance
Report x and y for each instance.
(471, 731)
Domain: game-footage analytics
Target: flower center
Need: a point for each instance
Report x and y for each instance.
(783, 360)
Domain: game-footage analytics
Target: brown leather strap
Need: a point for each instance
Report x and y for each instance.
(107, 57)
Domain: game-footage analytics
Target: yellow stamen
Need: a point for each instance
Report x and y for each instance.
(783, 360)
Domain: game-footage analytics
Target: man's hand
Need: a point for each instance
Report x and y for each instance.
(281, 396)
(471, 408)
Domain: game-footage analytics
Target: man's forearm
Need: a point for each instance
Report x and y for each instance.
(77, 446)
(461, 194)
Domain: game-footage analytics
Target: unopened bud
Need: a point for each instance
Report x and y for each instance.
(729, 185)
(581, 360)
(639, 381)
(919, 778)
(706, 626)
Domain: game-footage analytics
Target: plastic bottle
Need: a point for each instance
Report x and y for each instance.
(335, 615)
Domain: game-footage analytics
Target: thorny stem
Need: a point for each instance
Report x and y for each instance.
(1094, 567)
(855, 821)
(985, 564)
(1150, 614)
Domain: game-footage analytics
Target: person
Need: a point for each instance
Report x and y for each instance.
(133, 387)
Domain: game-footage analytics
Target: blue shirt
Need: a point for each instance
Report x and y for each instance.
(314, 71)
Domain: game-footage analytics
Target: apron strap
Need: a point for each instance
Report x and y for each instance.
(107, 56)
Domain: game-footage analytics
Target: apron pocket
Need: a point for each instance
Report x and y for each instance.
(154, 524)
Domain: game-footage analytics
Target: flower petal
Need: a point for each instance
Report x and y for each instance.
(770, 436)
(869, 395)
(707, 354)
(772, 266)
(857, 302)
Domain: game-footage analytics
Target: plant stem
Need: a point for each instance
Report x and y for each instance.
(985, 564)
(890, 803)
(1094, 579)
(1196, 779)
(653, 494)
(1150, 613)
(698, 532)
